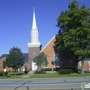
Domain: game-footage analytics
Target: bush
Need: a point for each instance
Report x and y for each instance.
(16, 73)
(39, 72)
(5, 73)
(65, 71)
(26, 71)
(87, 71)
(47, 69)
(19, 73)
(1, 73)
(8, 75)
(56, 69)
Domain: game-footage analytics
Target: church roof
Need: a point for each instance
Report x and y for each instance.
(24, 54)
(47, 44)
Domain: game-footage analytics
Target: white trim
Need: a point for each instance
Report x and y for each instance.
(46, 67)
(34, 66)
(34, 44)
(47, 44)
(5, 70)
(80, 63)
(89, 63)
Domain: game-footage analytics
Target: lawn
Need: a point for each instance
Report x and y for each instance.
(11, 75)
(56, 75)
(46, 75)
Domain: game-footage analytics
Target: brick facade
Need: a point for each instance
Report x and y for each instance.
(10, 69)
(33, 52)
(1, 65)
(50, 51)
(86, 65)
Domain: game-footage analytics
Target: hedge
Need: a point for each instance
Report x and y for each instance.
(47, 69)
(6, 73)
(26, 71)
(3, 73)
(65, 71)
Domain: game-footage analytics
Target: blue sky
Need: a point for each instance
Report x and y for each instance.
(16, 21)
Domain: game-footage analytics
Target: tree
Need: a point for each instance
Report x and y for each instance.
(40, 60)
(73, 38)
(4, 65)
(15, 58)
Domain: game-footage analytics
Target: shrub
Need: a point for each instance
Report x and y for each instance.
(87, 71)
(16, 73)
(56, 69)
(65, 71)
(8, 75)
(39, 72)
(5, 73)
(1, 73)
(47, 69)
(26, 71)
(19, 73)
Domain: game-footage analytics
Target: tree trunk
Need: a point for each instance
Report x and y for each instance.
(82, 67)
(15, 72)
(76, 63)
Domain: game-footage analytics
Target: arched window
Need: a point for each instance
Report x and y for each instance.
(57, 60)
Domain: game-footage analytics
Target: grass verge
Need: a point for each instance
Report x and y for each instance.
(56, 75)
(13, 75)
(46, 75)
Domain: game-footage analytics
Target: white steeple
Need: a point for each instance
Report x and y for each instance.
(34, 25)
(34, 33)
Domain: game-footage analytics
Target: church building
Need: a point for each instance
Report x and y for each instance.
(53, 57)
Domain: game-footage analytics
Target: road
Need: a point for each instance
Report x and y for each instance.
(59, 83)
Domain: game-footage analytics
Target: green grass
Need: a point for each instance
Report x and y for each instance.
(56, 75)
(11, 75)
(46, 75)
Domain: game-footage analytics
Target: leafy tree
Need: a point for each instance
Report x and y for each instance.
(40, 60)
(73, 38)
(4, 64)
(15, 58)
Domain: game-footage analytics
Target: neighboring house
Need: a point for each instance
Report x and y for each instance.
(86, 64)
(3, 58)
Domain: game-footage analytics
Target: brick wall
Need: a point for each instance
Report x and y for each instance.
(10, 69)
(33, 52)
(50, 52)
(86, 65)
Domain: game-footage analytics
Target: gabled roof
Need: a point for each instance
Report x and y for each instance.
(24, 54)
(47, 44)
(4, 55)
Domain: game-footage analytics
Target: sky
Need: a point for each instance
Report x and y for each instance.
(16, 21)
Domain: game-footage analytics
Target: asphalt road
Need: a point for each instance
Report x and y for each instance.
(59, 83)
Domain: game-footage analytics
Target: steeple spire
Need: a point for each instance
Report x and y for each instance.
(34, 33)
(34, 25)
